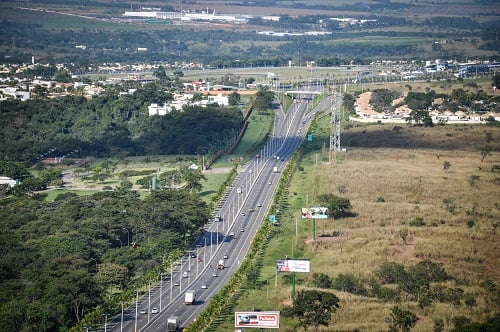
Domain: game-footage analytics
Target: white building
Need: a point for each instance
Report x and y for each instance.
(12, 93)
(155, 109)
(8, 181)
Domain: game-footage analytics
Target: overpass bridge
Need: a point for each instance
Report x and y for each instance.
(302, 92)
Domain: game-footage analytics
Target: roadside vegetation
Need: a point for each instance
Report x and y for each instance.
(416, 250)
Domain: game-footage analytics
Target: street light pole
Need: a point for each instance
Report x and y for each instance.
(121, 321)
(136, 309)
(105, 321)
(161, 287)
(149, 300)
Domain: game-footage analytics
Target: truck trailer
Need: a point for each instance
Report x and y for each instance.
(220, 266)
(173, 324)
(189, 297)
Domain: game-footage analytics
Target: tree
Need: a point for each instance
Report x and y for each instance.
(193, 179)
(234, 98)
(13, 169)
(420, 117)
(391, 273)
(338, 207)
(313, 308)
(322, 280)
(110, 274)
(63, 76)
(400, 318)
(485, 151)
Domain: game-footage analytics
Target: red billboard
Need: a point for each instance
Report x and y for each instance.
(257, 319)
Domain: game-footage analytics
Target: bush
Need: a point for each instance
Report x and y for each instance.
(391, 273)
(322, 280)
(348, 283)
(417, 222)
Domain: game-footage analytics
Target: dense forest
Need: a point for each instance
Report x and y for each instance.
(112, 125)
(60, 260)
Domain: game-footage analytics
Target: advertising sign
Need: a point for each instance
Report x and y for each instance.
(257, 319)
(293, 265)
(315, 213)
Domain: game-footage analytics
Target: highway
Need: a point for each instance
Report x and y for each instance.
(229, 233)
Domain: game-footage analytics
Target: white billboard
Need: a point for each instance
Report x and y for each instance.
(257, 319)
(293, 265)
(315, 213)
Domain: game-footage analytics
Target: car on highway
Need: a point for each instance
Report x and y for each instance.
(198, 259)
(154, 311)
(193, 255)
(214, 274)
(177, 283)
(259, 205)
(269, 182)
(225, 256)
(144, 311)
(204, 286)
(231, 234)
(243, 214)
(242, 230)
(184, 274)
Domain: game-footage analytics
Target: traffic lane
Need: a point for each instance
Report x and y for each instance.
(246, 237)
(284, 151)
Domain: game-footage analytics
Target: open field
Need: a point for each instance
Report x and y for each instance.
(395, 181)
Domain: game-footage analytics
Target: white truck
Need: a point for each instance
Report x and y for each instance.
(220, 266)
(173, 324)
(275, 170)
(189, 297)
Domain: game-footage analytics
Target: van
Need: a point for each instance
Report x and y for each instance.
(184, 274)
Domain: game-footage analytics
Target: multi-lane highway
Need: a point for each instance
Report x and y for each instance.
(228, 235)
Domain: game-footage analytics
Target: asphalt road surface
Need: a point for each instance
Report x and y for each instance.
(229, 233)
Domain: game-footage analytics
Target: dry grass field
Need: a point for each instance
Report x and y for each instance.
(397, 182)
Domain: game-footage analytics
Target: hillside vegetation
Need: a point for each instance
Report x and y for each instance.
(421, 238)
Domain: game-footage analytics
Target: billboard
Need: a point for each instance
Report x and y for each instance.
(315, 213)
(293, 265)
(257, 319)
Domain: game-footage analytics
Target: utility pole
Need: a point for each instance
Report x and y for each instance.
(335, 132)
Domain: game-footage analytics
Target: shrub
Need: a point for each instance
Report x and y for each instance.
(348, 283)
(322, 280)
(391, 273)
(417, 222)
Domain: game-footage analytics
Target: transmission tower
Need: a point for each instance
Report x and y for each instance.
(335, 132)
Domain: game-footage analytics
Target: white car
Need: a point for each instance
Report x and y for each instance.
(231, 234)
(225, 256)
(154, 311)
(204, 286)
